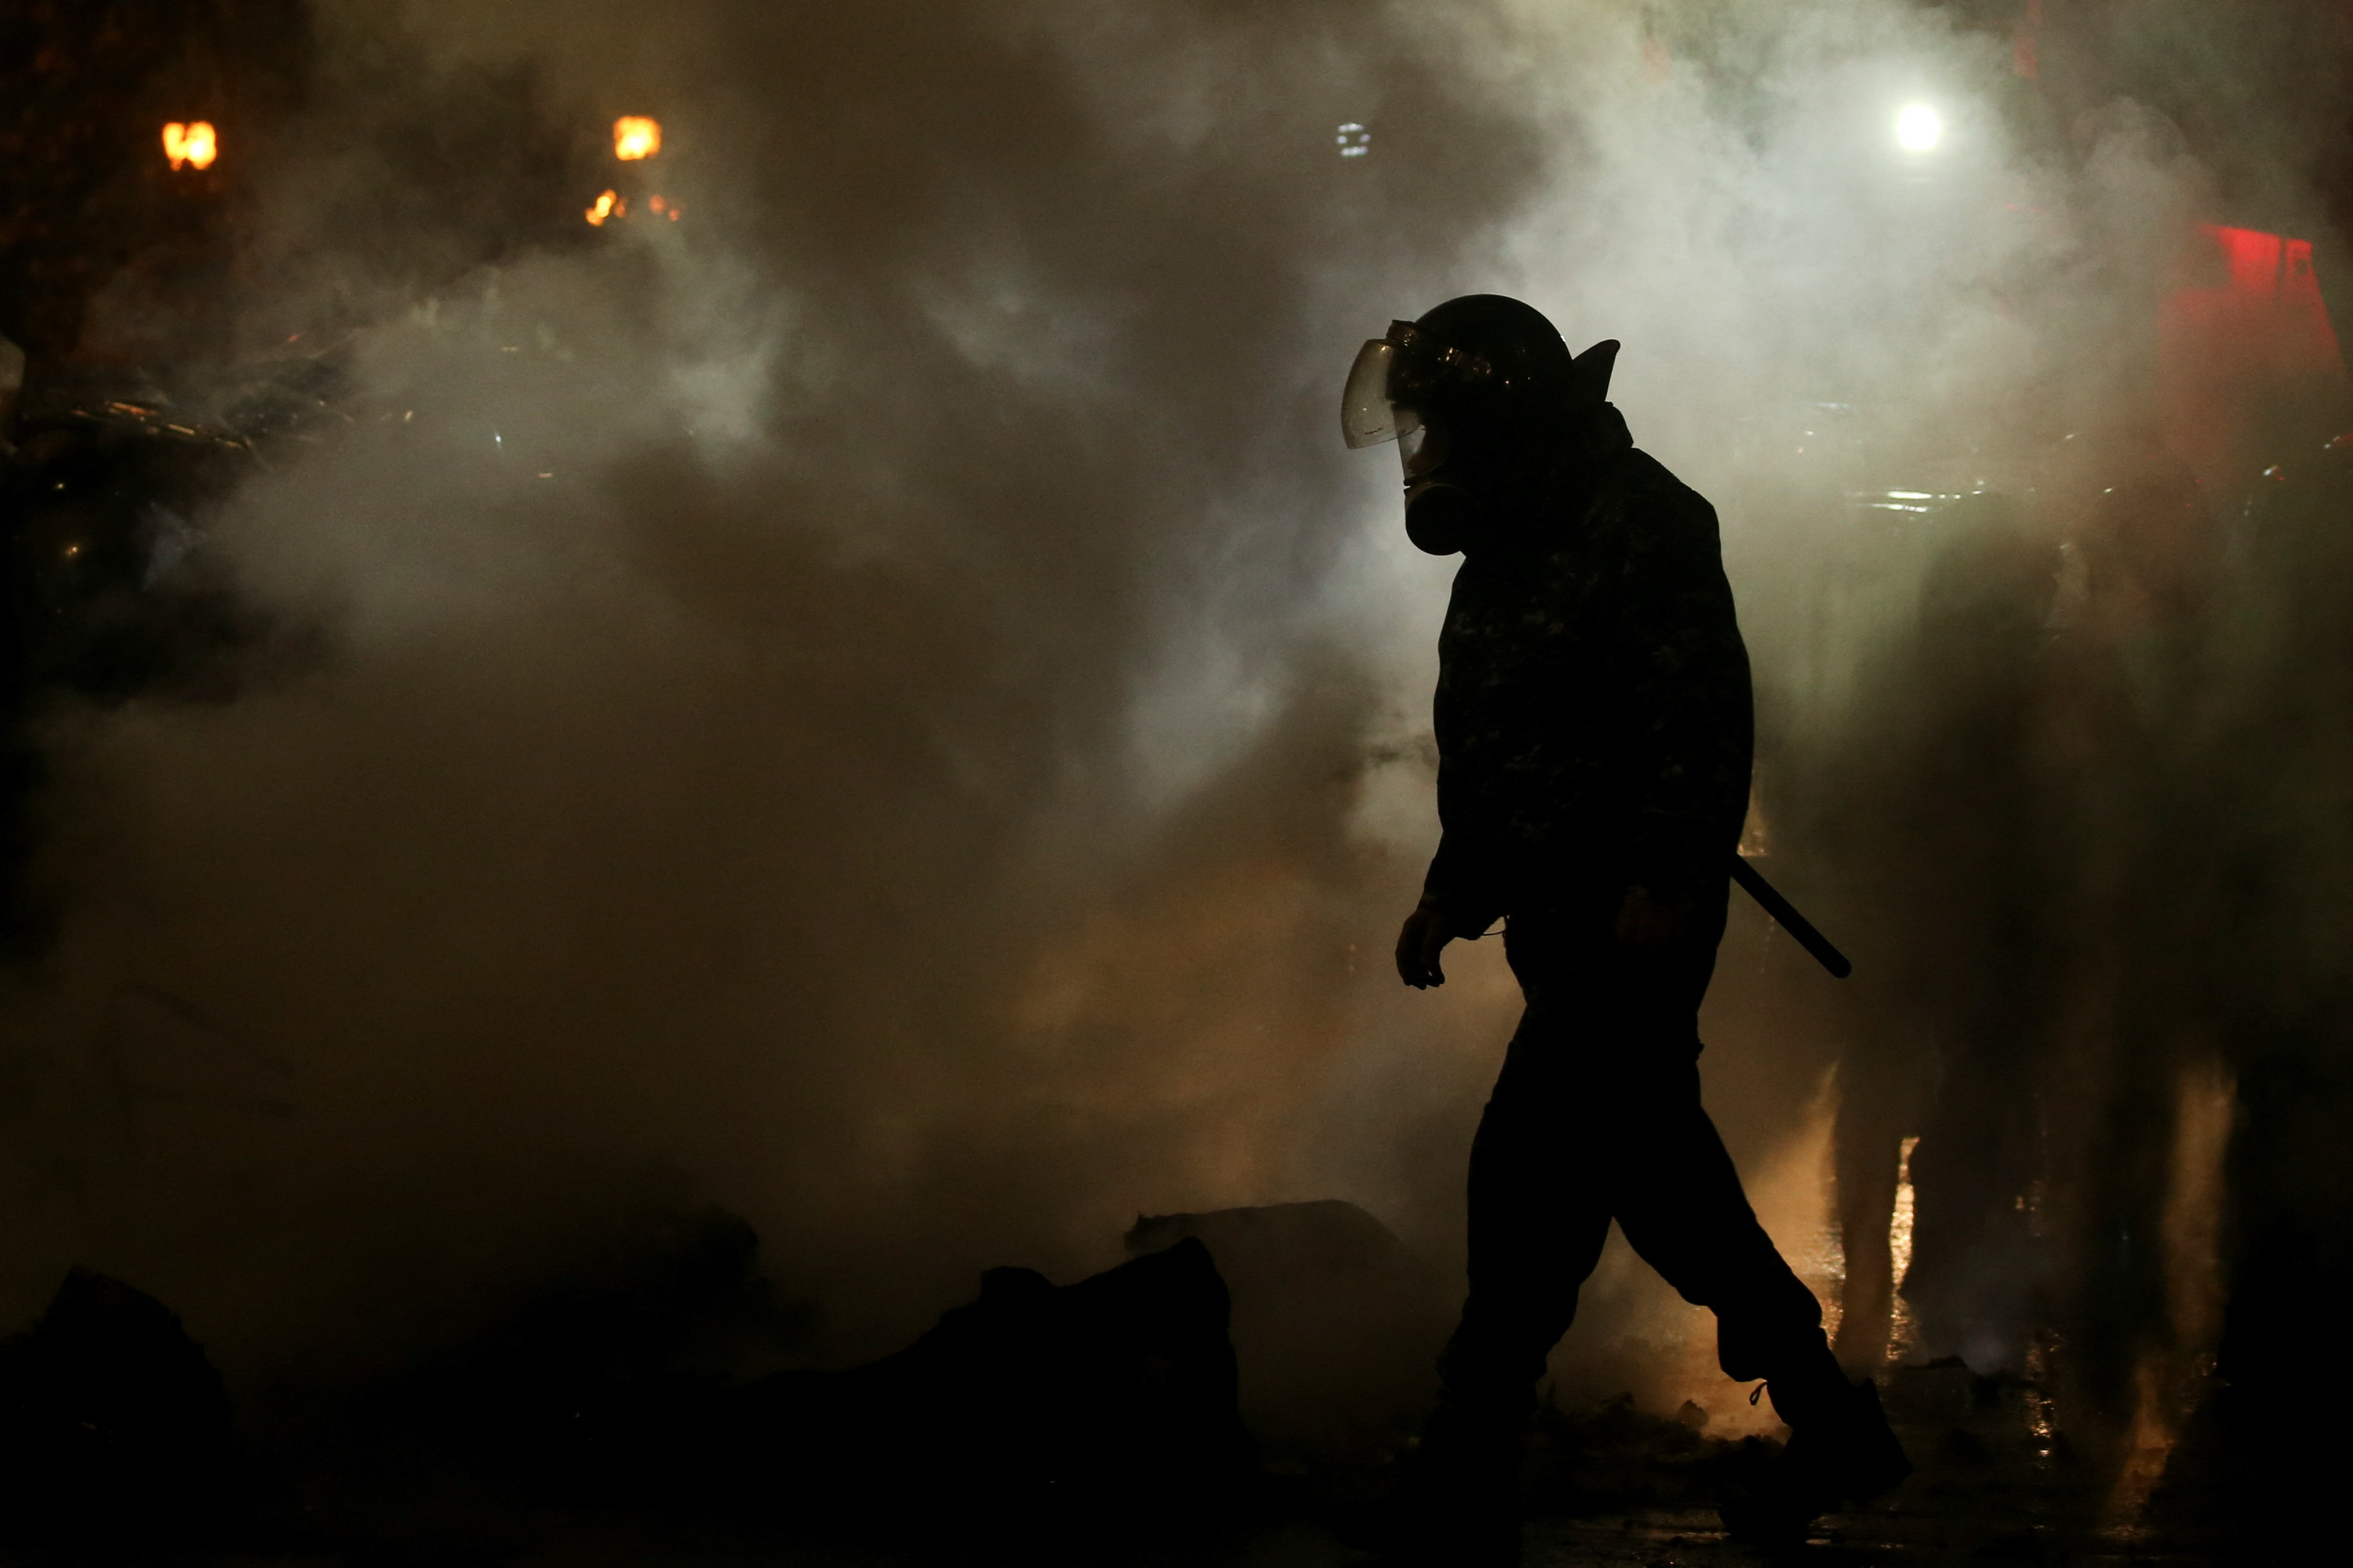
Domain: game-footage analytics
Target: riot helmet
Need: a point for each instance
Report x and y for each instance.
(1480, 362)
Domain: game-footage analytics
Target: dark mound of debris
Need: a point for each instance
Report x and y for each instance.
(1337, 1324)
(113, 1425)
(1106, 1405)
(1051, 1417)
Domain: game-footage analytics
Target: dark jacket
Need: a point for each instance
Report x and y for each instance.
(1593, 710)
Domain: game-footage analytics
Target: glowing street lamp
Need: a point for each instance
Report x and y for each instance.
(191, 146)
(634, 136)
(1919, 128)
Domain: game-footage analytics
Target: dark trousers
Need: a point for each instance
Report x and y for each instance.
(1598, 1117)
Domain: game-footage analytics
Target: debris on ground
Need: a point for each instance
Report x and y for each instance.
(1337, 1321)
(113, 1423)
(1108, 1404)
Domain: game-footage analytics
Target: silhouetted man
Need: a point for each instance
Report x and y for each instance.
(1935, 813)
(1594, 735)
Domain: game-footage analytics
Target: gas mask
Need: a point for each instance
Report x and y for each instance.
(1393, 379)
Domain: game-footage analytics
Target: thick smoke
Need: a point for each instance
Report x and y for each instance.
(837, 706)
(882, 704)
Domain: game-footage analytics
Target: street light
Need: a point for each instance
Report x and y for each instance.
(636, 136)
(1919, 128)
(191, 146)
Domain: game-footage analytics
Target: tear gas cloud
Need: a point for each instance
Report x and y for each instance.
(885, 705)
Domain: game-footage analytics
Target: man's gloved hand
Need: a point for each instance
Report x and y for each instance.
(1427, 932)
(1645, 922)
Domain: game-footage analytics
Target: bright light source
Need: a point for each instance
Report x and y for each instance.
(634, 137)
(193, 146)
(1919, 128)
(1355, 140)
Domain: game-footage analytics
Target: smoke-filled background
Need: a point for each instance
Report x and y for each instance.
(883, 705)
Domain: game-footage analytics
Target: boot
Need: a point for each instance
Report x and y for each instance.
(1841, 1452)
(1456, 1502)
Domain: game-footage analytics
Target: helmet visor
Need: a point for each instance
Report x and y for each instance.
(1367, 418)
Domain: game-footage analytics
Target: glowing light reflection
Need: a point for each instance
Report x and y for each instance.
(1899, 1229)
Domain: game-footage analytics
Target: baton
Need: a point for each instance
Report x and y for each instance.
(1784, 915)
